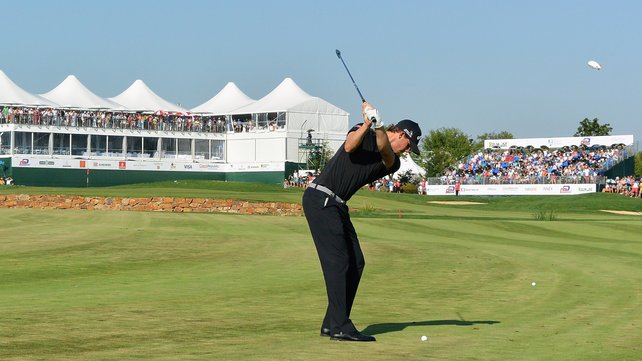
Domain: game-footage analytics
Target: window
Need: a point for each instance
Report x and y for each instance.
(79, 144)
(115, 146)
(134, 146)
(99, 145)
(150, 147)
(218, 149)
(168, 148)
(61, 144)
(41, 143)
(185, 149)
(5, 143)
(201, 149)
(262, 120)
(280, 120)
(23, 142)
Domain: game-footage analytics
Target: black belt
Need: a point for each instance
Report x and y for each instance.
(327, 191)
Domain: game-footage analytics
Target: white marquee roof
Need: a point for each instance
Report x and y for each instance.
(288, 96)
(227, 100)
(139, 97)
(12, 94)
(408, 164)
(71, 93)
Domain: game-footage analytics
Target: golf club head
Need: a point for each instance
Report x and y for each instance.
(338, 53)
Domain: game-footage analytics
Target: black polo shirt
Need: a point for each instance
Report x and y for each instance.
(347, 172)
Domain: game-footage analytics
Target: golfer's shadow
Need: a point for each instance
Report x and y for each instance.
(379, 328)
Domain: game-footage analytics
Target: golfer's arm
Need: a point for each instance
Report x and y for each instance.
(354, 139)
(383, 144)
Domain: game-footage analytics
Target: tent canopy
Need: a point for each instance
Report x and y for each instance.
(408, 164)
(12, 94)
(139, 97)
(288, 96)
(225, 101)
(303, 110)
(71, 93)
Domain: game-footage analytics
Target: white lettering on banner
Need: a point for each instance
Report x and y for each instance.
(514, 189)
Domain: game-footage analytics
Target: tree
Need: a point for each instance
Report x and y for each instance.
(319, 156)
(638, 164)
(406, 177)
(592, 128)
(479, 142)
(441, 148)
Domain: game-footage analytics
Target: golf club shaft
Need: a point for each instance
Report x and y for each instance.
(351, 78)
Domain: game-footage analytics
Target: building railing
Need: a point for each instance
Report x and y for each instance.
(138, 121)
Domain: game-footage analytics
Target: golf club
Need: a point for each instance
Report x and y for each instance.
(353, 82)
(351, 78)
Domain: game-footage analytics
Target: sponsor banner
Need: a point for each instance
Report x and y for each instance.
(170, 165)
(512, 189)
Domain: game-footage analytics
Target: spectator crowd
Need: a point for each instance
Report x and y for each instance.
(627, 186)
(131, 120)
(514, 166)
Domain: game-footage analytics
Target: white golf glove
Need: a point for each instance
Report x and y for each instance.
(373, 115)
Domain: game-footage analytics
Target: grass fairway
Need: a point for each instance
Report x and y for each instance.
(81, 285)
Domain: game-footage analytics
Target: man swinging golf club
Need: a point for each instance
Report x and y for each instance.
(369, 152)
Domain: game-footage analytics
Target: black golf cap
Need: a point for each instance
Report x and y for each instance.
(412, 131)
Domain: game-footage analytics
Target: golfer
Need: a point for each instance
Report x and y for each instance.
(369, 152)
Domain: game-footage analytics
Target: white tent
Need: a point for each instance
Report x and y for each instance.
(227, 100)
(12, 94)
(408, 164)
(139, 97)
(71, 93)
(302, 109)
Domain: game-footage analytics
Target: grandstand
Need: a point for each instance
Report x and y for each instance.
(538, 166)
(72, 137)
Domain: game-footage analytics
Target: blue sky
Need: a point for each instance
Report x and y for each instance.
(479, 66)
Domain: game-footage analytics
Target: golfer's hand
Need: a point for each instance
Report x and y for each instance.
(371, 116)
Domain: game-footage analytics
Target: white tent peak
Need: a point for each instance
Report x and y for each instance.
(225, 101)
(286, 92)
(303, 109)
(408, 164)
(288, 96)
(282, 98)
(71, 93)
(11, 93)
(140, 97)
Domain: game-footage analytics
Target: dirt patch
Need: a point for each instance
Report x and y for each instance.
(628, 213)
(455, 202)
(149, 204)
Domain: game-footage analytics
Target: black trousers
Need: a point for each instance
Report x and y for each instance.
(341, 258)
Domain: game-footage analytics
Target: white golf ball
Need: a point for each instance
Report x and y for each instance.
(424, 338)
(533, 284)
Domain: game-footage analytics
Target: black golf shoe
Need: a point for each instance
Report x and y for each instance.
(352, 336)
